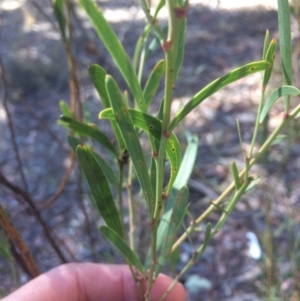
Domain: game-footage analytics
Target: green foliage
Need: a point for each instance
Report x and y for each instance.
(285, 39)
(59, 14)
(166, 202)
(123, 247)
(100, 189)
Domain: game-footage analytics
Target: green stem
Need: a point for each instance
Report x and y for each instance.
(170, 47)
(120, 198)
(229, 189)
(151, 21)
(130, 206)
(142, 61)
(256, 128)
(201, 249)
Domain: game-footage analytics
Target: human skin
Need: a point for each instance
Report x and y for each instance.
(91, 282)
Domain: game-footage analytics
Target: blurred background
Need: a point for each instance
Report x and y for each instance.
(45, 195)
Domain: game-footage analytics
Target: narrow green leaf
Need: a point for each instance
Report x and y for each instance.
(159, 6)
(181, 181)
(58, 6)
(216, 85)
(207, 234)
(285, 42)
(181, 23)
(131, 139)
(173, 151)
(178, 213)
(270, 57)
(152, 125)
(278, 139)
(188, 162)
(207, 238)
(115, 49)
(65, 109)
(107, 170)
(279, 92)
(266, 44)
(252, 184)
(122, 246)
(153, 82)
(91, 131)
(100, 189)
(235, 174)
(97, 75)
(145, 6)
(137, 51)
(144, 121)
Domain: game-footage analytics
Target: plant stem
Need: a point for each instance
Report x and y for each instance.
(120, 197)
(130, 206)
(151, 21)
(229, 189)
(201, 249)
(256, 128)
(170, 48)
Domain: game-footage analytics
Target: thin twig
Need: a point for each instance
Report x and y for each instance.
(5, 182)
(73, 82)
(19, 244)
(44, 14)
(61, 186)
(11, 126)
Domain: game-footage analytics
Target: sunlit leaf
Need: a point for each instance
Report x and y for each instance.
(279, 92)
(266, 44)
(178, 213)
(216, 85)
(153, 82)
(285, 41)
(159, 6)
(115, 49)
(188, 162)
(97, 75)
(270, 56)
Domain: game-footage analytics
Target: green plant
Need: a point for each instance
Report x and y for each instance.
(166, 204)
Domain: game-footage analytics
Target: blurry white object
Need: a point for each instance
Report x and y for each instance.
(254, 249)
(195, 284)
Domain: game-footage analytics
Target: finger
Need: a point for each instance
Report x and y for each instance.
(91, 282)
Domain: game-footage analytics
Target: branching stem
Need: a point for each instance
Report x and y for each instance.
(231, 187)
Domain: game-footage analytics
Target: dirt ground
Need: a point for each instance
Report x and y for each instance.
(220, 36)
